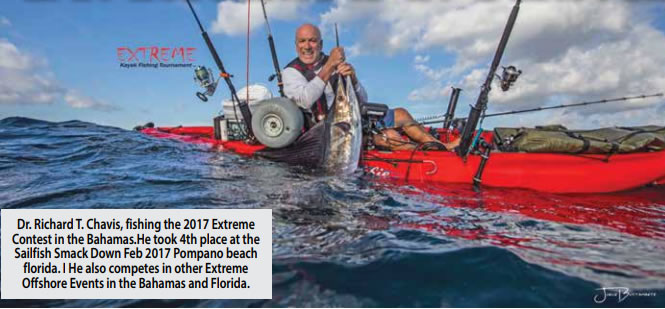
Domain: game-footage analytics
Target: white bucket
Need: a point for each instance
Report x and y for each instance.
(257, 93)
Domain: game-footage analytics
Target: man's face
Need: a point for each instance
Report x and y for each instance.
(308, 44)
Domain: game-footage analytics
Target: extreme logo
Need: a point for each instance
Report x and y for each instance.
(155, 57)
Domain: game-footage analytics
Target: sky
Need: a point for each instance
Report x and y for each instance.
(59, 58)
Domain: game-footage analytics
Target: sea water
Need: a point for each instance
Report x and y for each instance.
(355, 241)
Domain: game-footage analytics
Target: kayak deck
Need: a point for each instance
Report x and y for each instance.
(548, 172)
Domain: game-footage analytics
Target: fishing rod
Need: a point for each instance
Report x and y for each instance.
(339, 78)
(483, 97)
(273, 51)
(643, 96)
(244, 108)
(336, 35)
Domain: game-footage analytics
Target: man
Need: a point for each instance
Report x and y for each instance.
(308, 80)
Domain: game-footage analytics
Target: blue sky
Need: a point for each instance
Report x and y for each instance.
(58, 58)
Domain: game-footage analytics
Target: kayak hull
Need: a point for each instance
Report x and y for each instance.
(202, 135)
(557, 173)
(547, 172)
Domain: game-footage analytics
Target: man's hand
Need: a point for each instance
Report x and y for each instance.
(346, 69)
(336, 57)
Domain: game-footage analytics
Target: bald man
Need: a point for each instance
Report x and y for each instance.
(308, 82)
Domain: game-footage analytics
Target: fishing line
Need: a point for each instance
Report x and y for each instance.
(424, 120)
(247, 67)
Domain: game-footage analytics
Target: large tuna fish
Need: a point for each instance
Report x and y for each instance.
(345, 131)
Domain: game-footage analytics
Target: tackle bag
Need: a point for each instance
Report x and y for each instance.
(558, 139)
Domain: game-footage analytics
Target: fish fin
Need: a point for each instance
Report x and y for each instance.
(308, 150)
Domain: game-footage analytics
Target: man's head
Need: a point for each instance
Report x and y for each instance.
(308, 43)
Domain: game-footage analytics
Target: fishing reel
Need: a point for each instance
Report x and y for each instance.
(508, 77)
(203, 76)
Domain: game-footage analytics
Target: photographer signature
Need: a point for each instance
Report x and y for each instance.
(621, 292)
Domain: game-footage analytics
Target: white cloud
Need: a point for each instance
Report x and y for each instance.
(20, 80)
(232, 15)
(569, 51)
(420, 64)
(76, 100)
(388, 26)
(26, 80)
(430, 92)
(22, 87)
(4, 21)
(420, 59)
(626, 66)
(11, 58)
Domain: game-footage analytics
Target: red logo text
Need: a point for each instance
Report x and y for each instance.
(156, 54)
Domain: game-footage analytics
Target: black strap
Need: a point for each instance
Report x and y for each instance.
(586, 143)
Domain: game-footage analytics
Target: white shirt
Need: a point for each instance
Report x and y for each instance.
(304, 93)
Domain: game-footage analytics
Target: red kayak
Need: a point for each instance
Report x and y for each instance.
(548, 172)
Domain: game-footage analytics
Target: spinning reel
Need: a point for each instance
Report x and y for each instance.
(203, 76)
(508, 77)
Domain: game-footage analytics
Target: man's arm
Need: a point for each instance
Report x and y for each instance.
(298, 89)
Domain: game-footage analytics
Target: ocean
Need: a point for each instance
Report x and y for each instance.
(355, 241)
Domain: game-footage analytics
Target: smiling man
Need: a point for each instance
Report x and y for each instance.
(309, 81)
